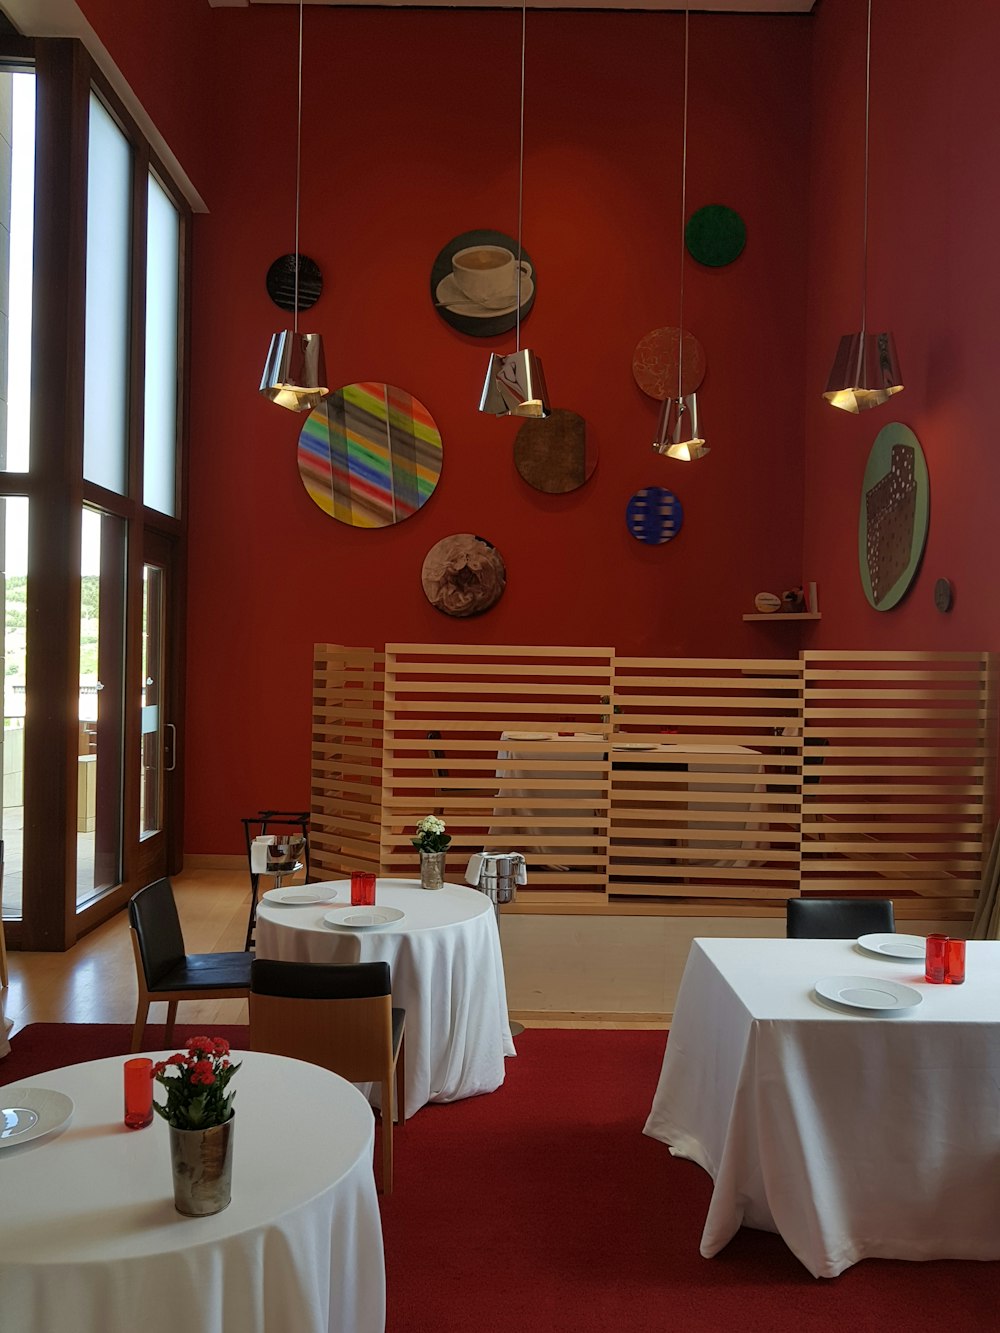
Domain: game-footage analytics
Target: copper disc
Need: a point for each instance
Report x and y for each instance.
(654, 363)
(553, 454)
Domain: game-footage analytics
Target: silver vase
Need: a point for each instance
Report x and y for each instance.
(432, 870)
(203, 1168)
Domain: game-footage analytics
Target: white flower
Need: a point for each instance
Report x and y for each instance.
(431, 824)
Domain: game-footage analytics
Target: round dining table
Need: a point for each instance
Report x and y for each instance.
(447, 973)
(90, 1239)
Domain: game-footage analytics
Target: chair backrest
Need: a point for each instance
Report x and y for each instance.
(837, 918)
(335, 1015)
(152, 914)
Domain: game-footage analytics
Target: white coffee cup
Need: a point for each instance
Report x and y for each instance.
(486, 274)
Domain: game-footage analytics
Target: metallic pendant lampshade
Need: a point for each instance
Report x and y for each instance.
(677, 433)
(295, 370)
(515, 384)
(865, 370)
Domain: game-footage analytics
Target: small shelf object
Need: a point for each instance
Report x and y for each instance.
(783, 615)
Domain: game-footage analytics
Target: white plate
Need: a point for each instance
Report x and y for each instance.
(635, 745)
(302, 896)
(906, 948)
(28, 1113)
(363, 918)
(450, 295)
(530, 736)
(868, 993)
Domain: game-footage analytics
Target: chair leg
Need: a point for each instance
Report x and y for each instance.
(139, 1027)
(3, 957)
(401, 1082)
(252, 921)
(387, 1114)
(168, 1035)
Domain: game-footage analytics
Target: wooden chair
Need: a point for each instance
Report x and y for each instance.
(339, 1016)
(165, 972)
(837, 918)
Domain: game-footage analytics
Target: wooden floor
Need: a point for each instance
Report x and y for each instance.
(95, 981)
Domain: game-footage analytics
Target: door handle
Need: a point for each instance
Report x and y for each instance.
(169, 768)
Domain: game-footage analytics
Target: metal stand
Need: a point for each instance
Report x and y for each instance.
(497, 874)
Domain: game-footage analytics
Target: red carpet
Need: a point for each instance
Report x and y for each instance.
(542, 1208)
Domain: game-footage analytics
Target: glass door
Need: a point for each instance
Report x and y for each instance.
(158, 732)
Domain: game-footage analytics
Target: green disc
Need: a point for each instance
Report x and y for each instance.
(715, 235)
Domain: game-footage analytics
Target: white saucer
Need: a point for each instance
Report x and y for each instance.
(451, 297)
(871, 993)
(636, 745)
(363, 918)
(904, 948)
(28, 1113)
(301, 895)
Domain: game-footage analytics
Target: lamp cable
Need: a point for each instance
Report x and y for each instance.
(298, 173)
(520, 183)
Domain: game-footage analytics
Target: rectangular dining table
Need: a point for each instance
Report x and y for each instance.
(852, 1133)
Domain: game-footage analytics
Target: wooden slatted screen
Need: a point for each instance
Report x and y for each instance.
(345, 826)
(717, 817)
(902, 801)
(463, 728)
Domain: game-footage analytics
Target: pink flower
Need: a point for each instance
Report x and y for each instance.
(158, 1069)
(201, 1044)
(177, 1059)
(220, 1046)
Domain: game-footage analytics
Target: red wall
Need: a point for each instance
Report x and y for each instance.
(935, 197)
(410, 138)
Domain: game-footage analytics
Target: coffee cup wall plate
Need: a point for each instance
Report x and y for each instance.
(450, 296)
(474, 282)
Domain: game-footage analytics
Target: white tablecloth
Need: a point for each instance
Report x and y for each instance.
(90, 1240)
(447, 973)
(851, 1134)
(693, 757)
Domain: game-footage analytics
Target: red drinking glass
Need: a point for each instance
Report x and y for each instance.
(138, 1092)
(362, 888)
(936, 968)
(955, 962)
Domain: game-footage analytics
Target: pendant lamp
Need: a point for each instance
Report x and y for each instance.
(678, 434)
(515, 383)
(865, 369)
(295, 370)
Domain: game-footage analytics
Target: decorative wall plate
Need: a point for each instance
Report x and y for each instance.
(892, 525)
(370, 455)
(654, 515)
(463, 575)
(553, 453)
(280, 282)
(715, 235)
(474, 283)
(654, 363)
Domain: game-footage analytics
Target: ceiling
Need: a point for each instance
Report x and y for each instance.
(700, 6)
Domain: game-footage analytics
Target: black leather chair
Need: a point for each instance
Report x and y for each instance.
(340, 1016)
(837, 918)
(165, 972)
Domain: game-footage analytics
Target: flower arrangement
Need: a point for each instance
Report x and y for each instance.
(431, 836)
(196, 1082)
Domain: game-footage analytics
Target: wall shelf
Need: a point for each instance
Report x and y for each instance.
(783, 615)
